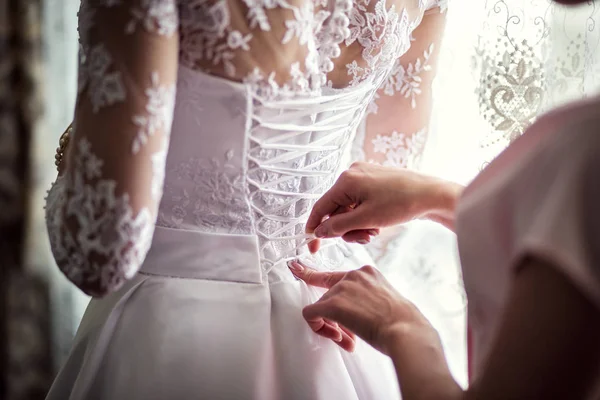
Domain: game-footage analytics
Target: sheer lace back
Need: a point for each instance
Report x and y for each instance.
(295, 46)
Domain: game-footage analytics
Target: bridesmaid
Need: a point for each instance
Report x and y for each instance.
(528, 229)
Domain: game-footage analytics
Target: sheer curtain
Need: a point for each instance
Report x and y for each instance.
(512, 61)
(532, 56)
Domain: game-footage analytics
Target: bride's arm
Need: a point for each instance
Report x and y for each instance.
(396, 128)
(397, 125)
(101, 210)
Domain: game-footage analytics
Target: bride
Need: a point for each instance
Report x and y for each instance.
(203, 133)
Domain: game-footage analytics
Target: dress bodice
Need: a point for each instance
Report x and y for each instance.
(241, 164)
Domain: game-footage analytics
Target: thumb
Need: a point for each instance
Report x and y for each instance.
(316, 278)
(319, 311)
(359, 218)
(338, 197)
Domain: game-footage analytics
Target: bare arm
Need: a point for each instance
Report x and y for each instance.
(547, 346)
(378, 197)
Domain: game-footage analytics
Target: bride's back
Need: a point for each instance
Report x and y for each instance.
(297, 44)
(160, 138)
(255, 167)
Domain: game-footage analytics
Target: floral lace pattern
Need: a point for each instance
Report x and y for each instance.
(401, 150)
(156, 16)
(406, 79)
(210, 41)
(529, 58)
(510, 90)
(368, 28)
(400, 141)
(207, 195)
(100, 230)
(207, 35)
(213, 42)
(106, 88)
(110, 240)
(158, 113)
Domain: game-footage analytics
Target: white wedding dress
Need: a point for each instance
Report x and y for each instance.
(204, 131)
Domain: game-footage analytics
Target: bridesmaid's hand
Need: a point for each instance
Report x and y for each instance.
(368, 197)
(364, 303)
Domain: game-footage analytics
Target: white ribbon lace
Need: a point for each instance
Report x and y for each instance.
(333, 118)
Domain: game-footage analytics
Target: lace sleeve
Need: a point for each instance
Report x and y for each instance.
(101, 211)
(395, 131)
(396, 128)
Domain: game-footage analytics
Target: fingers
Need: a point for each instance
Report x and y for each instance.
(340, 224)
(348, 341)
(334, 199)
(321, 310)
(324, 207)
(316, 278)
(314, 246)
(331, 330)
(361, 236)
(326, 310)
(343, 305)
(327, 329)
(323, 326)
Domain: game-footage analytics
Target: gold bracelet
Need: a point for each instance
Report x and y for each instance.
(62, 146)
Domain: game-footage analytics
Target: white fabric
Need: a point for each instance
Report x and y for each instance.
(181, 330)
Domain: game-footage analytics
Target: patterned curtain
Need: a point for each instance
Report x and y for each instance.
(514, 61)
(39, 310)
(25, 348)
(532, 56)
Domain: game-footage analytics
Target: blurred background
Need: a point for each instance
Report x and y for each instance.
(503, 63)
(39, 310)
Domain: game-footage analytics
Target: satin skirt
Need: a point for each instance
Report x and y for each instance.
(203, 321)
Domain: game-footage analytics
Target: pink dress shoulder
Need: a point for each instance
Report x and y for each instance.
(540, 197)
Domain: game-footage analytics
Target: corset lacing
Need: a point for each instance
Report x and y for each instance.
(332, 121)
